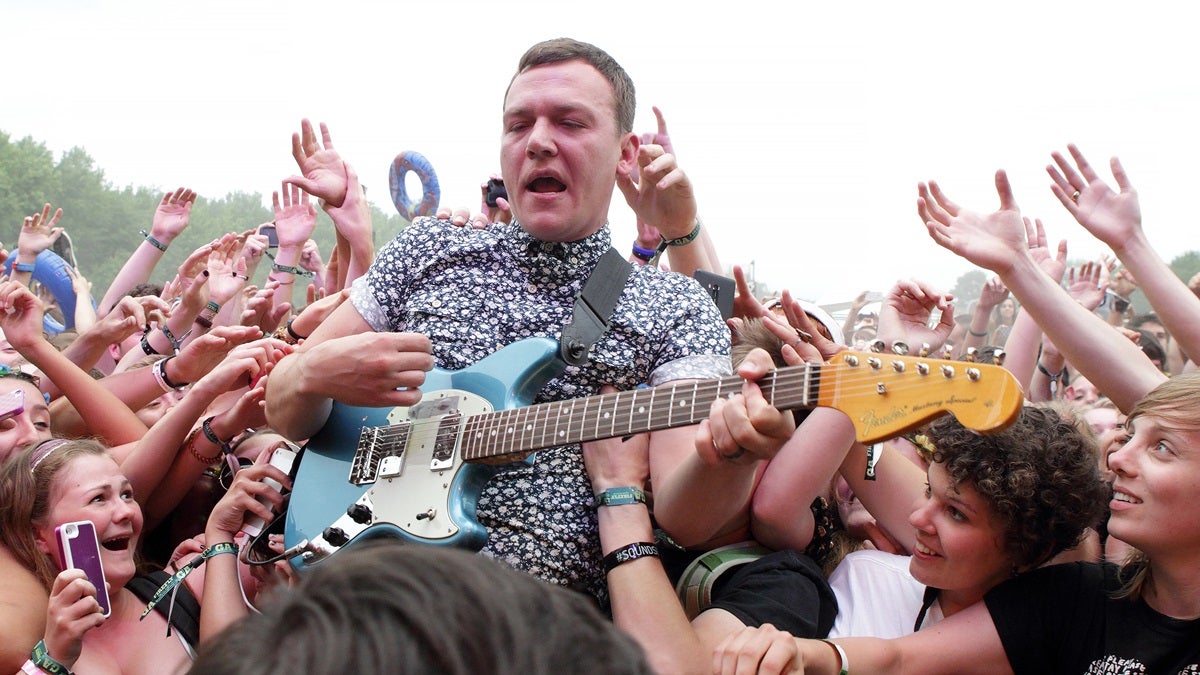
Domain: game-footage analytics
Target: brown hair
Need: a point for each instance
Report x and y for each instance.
(25, 499)
(561, 50)
(1039, 478)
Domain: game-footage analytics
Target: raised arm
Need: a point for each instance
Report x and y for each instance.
(38, 233)
(1115, 218)
(105, 415)
(998, 242)
(170, 219)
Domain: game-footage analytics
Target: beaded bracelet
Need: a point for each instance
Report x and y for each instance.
(629, 553)
(154, 242)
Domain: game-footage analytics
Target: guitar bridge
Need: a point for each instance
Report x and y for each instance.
(380, 453)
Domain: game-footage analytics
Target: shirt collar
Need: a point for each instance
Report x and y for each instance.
(584, 252)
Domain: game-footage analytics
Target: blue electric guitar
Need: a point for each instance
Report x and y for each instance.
(416, 473)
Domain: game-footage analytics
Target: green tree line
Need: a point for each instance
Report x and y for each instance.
(103, 220)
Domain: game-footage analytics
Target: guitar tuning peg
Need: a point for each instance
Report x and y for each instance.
(947, 351)
(923, 368)
(900, 348)
(971, 355)
(973, 374)
(851, 360)
(947, 371)
(998, 357)
(925, 349)
(876, 346)
(875, 363)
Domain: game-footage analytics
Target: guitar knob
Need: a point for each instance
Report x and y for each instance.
(359, 513)
(900, 348)
(335, 536)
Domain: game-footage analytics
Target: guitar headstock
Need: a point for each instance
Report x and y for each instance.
(887, 394)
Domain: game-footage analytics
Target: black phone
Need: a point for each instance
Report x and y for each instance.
(272, 235)
(495, 190)
(720, 288)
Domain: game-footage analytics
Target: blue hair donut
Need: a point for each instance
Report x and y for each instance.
(51, 271)
(431, 192)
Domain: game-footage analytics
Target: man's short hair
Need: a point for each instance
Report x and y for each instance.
(560, 50)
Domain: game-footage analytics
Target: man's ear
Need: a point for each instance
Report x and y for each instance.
(627, 165)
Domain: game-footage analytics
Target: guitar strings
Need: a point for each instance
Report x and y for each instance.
(507, 431)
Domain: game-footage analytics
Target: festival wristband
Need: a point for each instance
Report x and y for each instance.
(154, 242)
(685, 239)
(620, 496)
(41, 658)
(843, 662)
(629, 553)
(22, 267)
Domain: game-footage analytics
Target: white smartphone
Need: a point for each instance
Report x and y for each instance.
(282, 459)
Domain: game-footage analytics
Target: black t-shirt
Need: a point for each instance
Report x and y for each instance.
(1063, 619)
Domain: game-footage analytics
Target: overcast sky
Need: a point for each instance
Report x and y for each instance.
(805, 126)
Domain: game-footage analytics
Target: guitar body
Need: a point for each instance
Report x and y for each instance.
(426, 497)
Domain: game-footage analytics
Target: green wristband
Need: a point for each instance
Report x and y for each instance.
(620, 496)
(42, 659)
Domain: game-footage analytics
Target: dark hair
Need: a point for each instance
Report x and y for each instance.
(1039, 478)
(145, 289)
(1149, 317)
(560, 50)
(1152, 348)
(385, 606)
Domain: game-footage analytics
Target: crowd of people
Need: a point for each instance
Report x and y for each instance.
(739, 536)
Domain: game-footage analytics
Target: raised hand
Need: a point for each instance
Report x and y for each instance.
(1053, 265)
(905, 313)
(662, 196)
(172, 215)
(994, 241)
(324, 173)
(20, 315)
(1086, 285)
(1112, 217)
(993, 293)
(38, 233)
(295, 217)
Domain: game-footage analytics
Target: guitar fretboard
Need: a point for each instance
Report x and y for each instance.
(546, 425)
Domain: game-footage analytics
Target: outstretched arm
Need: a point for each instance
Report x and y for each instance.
(170, 219)
(998, 242)
(1116, 219)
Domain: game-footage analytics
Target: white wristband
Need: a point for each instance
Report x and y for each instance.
(844, 663)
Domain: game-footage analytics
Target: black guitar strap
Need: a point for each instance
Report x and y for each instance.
(593, 308)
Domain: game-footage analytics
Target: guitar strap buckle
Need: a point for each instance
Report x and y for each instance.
(593, 308)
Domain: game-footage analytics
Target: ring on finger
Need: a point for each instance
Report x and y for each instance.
(733, 455)
(1075, 196)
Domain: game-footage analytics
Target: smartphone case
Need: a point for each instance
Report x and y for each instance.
(79, 548)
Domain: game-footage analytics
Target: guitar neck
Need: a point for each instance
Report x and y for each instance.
(591, 418)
